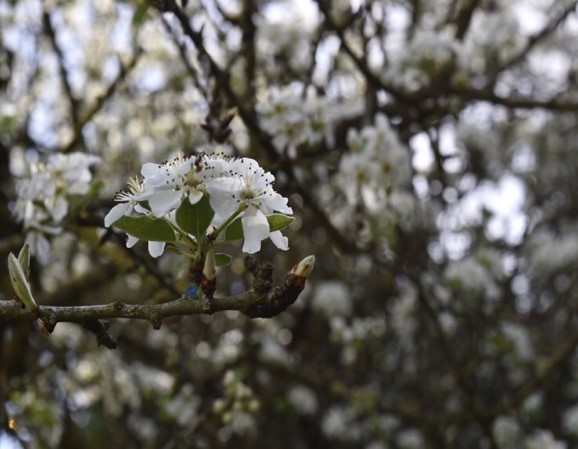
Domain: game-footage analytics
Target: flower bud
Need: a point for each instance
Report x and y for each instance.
(209, 269)
(20, 283)
(209, 282)
(304, 268)
(24, 259)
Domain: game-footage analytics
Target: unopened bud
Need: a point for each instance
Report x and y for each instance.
(304, 268)
(209, 282)
(24, 259)
(20, 283)
(209, 269)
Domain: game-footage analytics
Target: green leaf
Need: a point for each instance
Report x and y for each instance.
(222, 259)
(276, 222)
(140, 12)
(279, 221)
(195, 218)
(234, 231)
(146, 228)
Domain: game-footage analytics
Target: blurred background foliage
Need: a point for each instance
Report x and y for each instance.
(428, 150)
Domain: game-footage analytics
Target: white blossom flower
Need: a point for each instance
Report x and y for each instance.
(248, 186)
(235, 188)
(171, 183)
(130, 201)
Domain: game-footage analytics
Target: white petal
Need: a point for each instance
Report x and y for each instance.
(162, 202)
(59, 209)
(131, 241)
(150, 170)
(278, 203)
(279, 240)
(220, 195)
(156, 248)
(141, 210)
(115, 213)
(255, 229)
(195, 196)
(251, 245)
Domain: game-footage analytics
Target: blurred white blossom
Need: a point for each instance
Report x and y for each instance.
(471, 276)
(550, 253)
(338, 423)
(410, 439)
(507, 432)
(544, 439)
(520, 338)
(43, 196)
(332, 298)
(303, 399)
(570, 420)
(294, 115)
(376, 165)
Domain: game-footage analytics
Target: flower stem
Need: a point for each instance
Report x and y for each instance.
(227, 222)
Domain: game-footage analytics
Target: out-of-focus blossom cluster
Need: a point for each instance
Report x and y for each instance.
(376, 165)
(297, 116)
(350, 423)
(552, 254)
(509, 434)
(492, 39)
(428, 53)
(351, 336)
(284, 32)
(44, 195)
(235, 187)
(472, 278)
(238, 405)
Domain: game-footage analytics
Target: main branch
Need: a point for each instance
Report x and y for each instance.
(261, 301)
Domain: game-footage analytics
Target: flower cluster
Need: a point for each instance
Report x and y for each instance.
(195, 201)
(43, 196)
(376, 165)
(298, 116)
